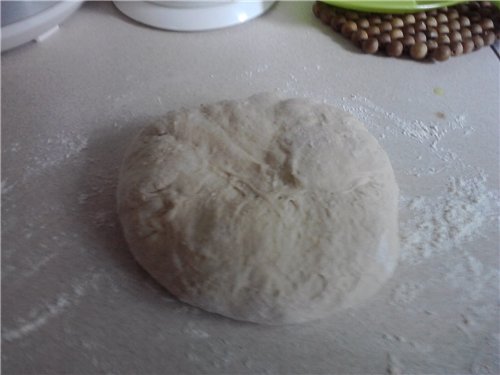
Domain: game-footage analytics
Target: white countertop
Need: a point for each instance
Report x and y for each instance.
(75, 301)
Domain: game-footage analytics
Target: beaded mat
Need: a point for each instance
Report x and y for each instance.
(436, 34)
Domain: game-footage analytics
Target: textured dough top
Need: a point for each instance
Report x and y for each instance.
(265, 210)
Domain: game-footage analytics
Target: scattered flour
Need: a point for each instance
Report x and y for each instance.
(7, 187)
(54, 151)
(405, 293)
(36, 266)
(394, 338)
(438, 225)
(51, 310)
(423, 132)
(195, 332)
(39, 317)
(473, 280)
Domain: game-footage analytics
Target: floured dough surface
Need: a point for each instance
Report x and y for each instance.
(266, 210)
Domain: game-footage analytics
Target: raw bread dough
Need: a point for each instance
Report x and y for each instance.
(266, 210)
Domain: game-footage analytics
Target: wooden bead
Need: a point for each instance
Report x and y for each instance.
(432, 45)
(385, 27)
(443, 39)
(443, 29)
(455, 36)
(468, 45)
(373, 31)
(409, 19)
(337, 23)
(431, 22)
(487, 24)
(409, 30)
(432, 34)
(375, 20)
(348, 28)
(397, 22)
(442, 18)
(384, 39)
(478, 41)
(408, 41)
(452, 14)
(420, 26)
(370, 45)
(394, 48)
(359, 36)
(418, 51)
(442, 53)
(456, 48)
(386, 17)
(351, 15)
(466, 33)
(326, 16)
(489, 37)
(476, 29)
(464, 21)
(396, 34)
(420, 37)
(420, 16)
(454, 25)
(363, 23)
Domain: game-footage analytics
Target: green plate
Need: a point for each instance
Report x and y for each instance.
(398, 6)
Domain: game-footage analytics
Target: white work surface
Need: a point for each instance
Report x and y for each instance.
(74, 301)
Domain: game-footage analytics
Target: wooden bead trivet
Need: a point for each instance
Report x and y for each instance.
(434, 34)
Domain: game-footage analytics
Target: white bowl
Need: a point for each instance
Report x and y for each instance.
(192, 15)
(23, 21)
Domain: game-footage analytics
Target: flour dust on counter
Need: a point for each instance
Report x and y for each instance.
(41, 315)
(59, 231)
(443, 226)
(53, 151)
(466, 204)
(449, 221)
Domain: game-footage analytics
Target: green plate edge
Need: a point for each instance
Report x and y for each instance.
(397, 6)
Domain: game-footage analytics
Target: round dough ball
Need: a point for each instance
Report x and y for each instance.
(265, 210)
